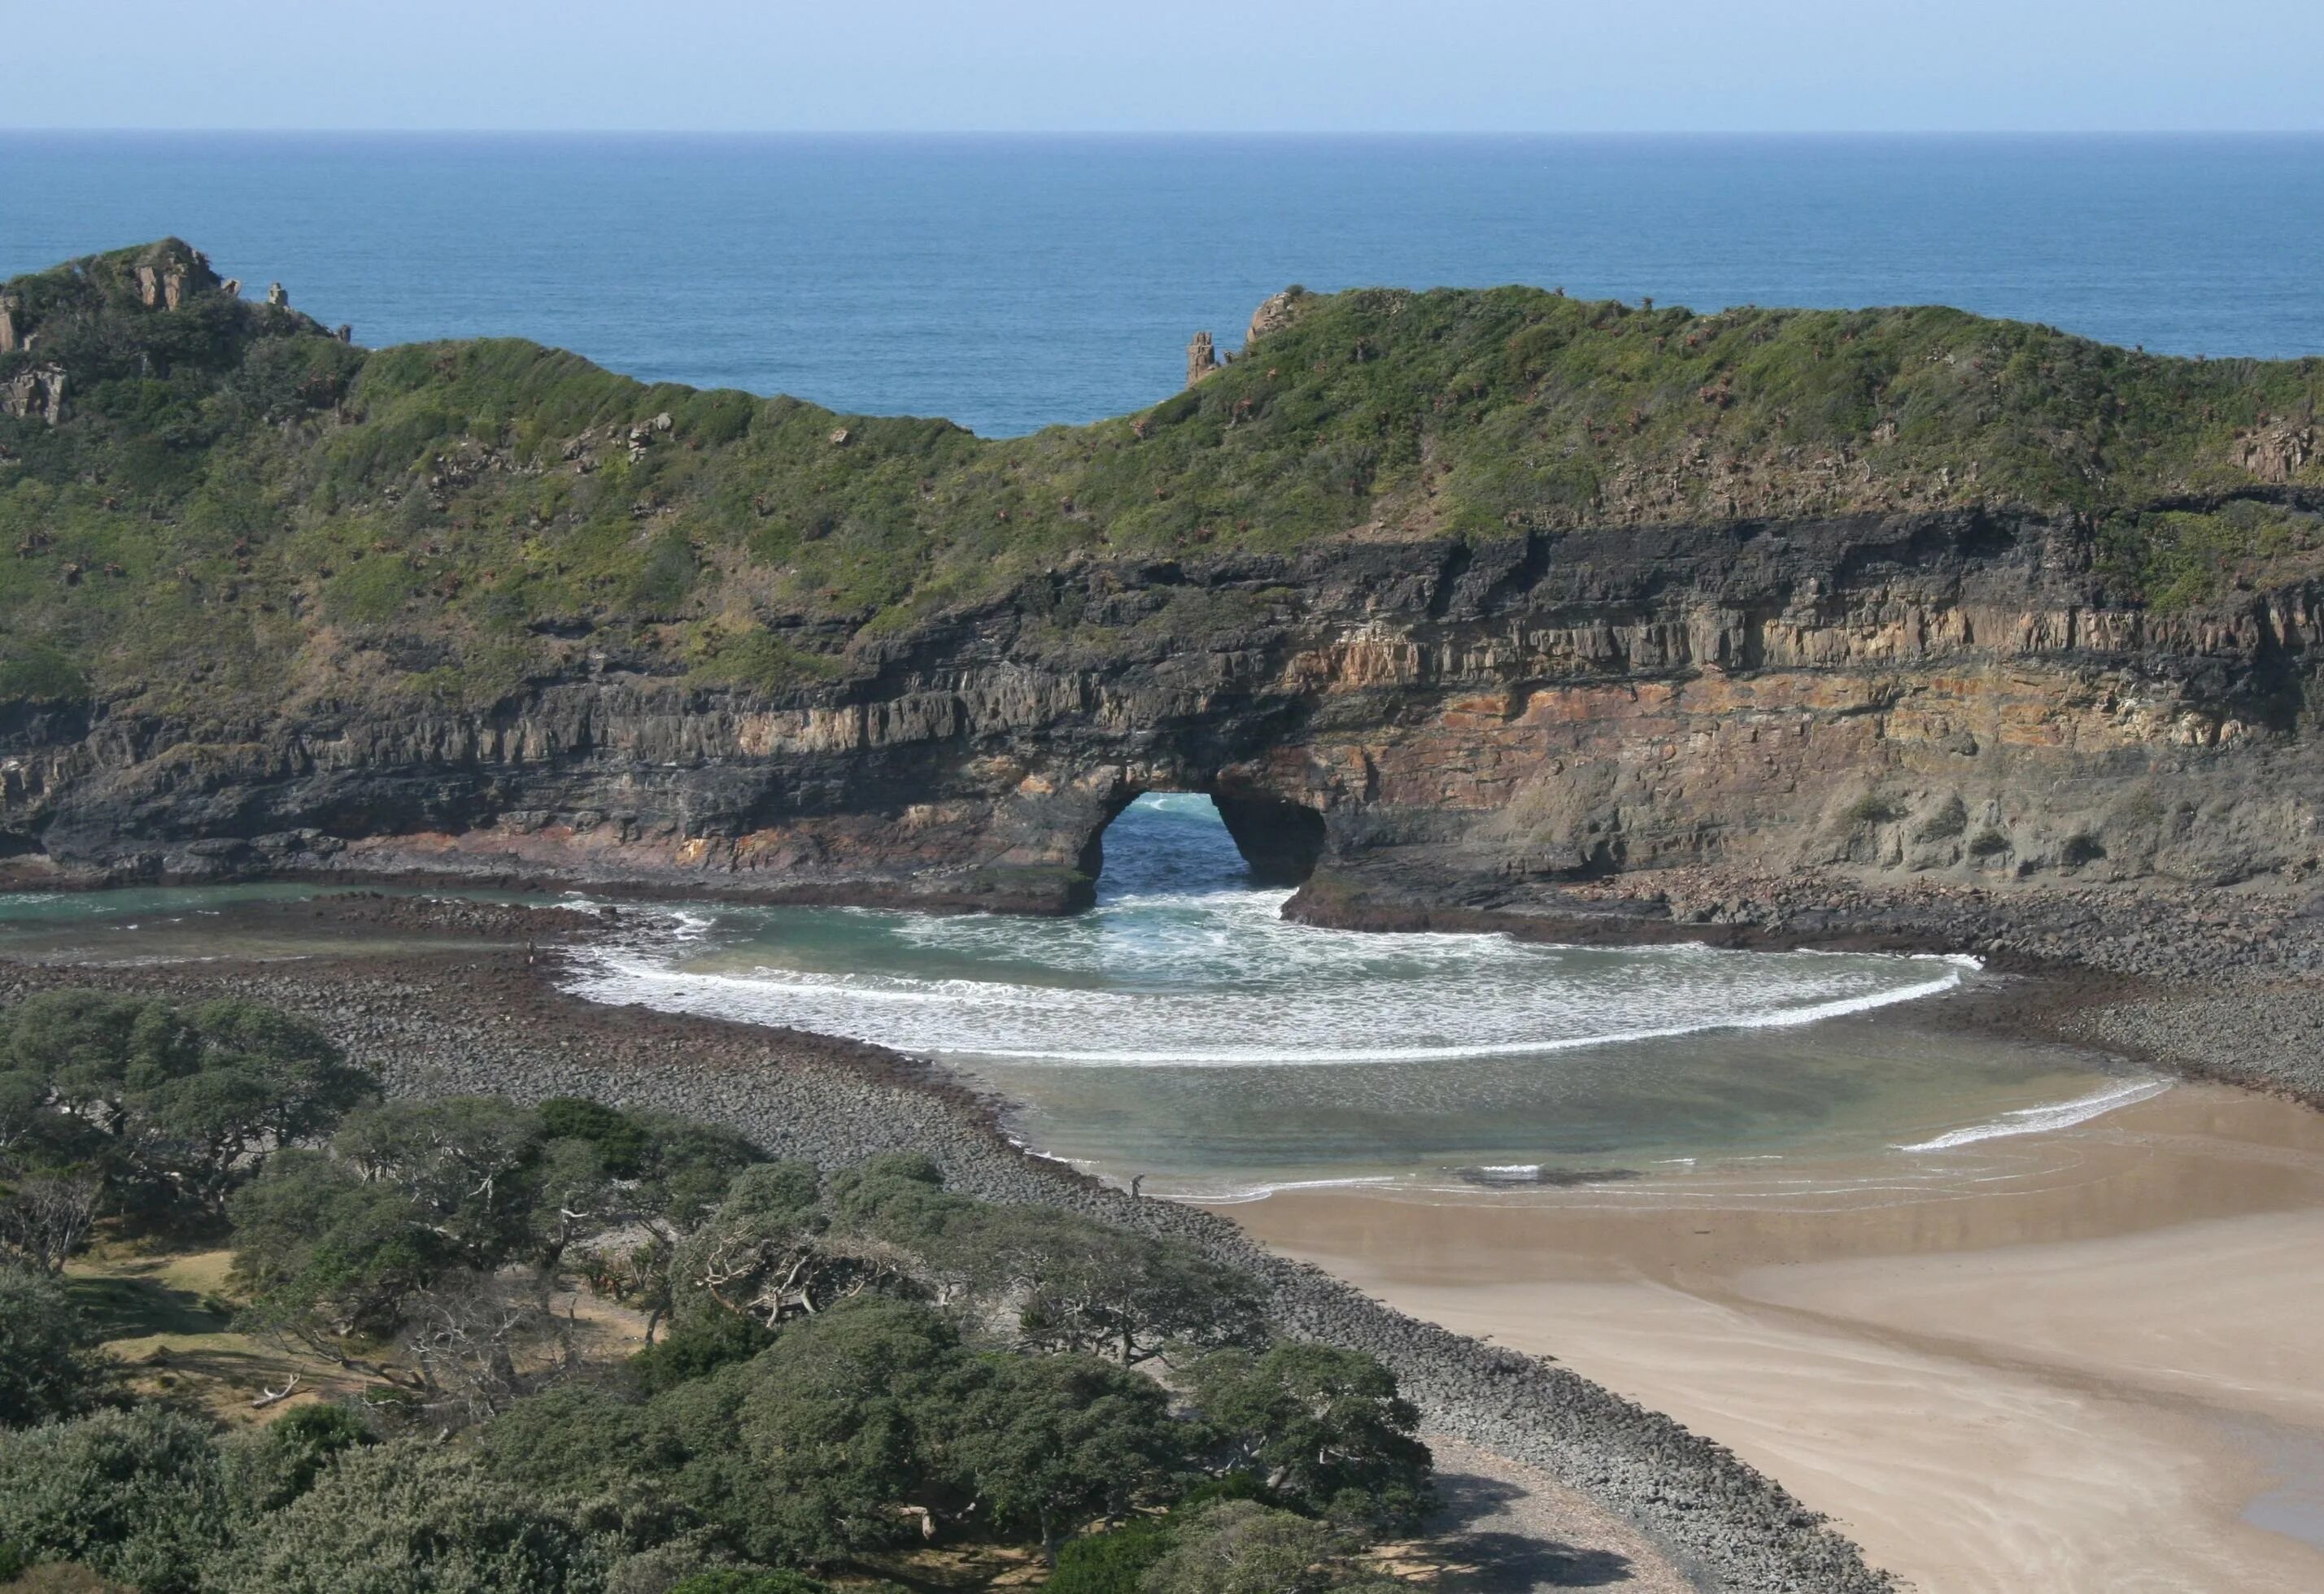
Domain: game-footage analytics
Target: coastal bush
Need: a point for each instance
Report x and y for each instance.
(136, 1495)
(173, 1110)
(411, 1518)
(47, 1368)
(855, 1365)
(1242, 1547)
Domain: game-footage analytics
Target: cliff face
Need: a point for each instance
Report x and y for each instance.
(1448, 599)
(1940, 694)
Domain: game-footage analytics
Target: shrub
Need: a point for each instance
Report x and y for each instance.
(1114, 1563)
(752, 1582)
(1872, 808)
(47, 1368)
(1986, 844)
(410, 1517)
(268, 1468)
(2081, 848)
(136, 1494)
(1949, 821)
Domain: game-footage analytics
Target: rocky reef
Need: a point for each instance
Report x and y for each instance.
(2059, 622)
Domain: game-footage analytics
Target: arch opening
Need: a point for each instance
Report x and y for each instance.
(1177, 838)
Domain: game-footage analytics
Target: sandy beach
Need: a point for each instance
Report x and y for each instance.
(2087, 1363)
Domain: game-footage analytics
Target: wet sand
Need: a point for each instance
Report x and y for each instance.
(2085, 1360)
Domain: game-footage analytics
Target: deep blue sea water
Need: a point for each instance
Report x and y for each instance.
(1011, 283)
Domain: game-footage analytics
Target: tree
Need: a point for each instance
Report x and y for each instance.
(1049, 1442)
(43, 1221)
(136, 1495)
(840, 1421)
(575, 1195)
(410, 1517)
(47, 1368)
(1326, 1426)
(621, 1142)
(1242, 1547)
(769, 1252)
(685, 1170)
(1084, 1285)
(176, 1106)
(661, 1175)
(467, 1163)
(29, 1128)
(735, 1581)
(258, 1080)
(331, 1261)
(478, 1343)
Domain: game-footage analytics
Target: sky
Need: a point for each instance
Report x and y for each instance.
(1160, 66)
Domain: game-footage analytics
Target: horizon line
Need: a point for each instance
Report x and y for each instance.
(1188, 132)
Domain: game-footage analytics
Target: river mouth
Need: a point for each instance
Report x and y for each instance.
(1184, 1034)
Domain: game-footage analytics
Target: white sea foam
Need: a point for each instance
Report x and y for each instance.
(2059, 1115)
(1080, 1026)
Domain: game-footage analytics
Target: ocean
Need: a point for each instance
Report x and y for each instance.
(1011, 283)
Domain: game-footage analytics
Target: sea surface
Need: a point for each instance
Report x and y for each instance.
(1012, 283)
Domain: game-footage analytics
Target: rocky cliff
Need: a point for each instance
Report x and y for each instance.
(1477, 599)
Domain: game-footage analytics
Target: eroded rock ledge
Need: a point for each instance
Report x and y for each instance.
(1405, 725)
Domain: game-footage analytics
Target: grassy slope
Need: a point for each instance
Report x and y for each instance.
(239, 508)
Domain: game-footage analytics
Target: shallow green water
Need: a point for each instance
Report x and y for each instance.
(1183, 1031)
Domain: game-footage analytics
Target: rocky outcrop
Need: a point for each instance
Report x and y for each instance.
(1274, 313)
(9, 337)
(37, 391)
(2277, 450)
(1202, 358)
(1936, 696)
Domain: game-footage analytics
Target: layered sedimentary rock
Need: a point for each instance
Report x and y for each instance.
(1910, 695)
(1462, 602)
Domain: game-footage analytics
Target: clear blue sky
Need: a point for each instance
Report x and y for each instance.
(1384, 66)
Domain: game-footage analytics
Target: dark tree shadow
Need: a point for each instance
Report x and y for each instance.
(1479, 1541)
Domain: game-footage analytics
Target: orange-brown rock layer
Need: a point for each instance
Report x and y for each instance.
(1940, 697)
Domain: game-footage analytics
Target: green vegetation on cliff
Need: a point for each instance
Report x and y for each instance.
(236, 505)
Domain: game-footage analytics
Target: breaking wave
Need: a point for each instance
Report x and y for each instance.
(1184, 965)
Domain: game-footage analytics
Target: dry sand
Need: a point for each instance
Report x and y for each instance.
(2090, 1359)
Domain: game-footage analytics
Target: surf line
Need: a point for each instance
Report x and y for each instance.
(2057, 1115)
